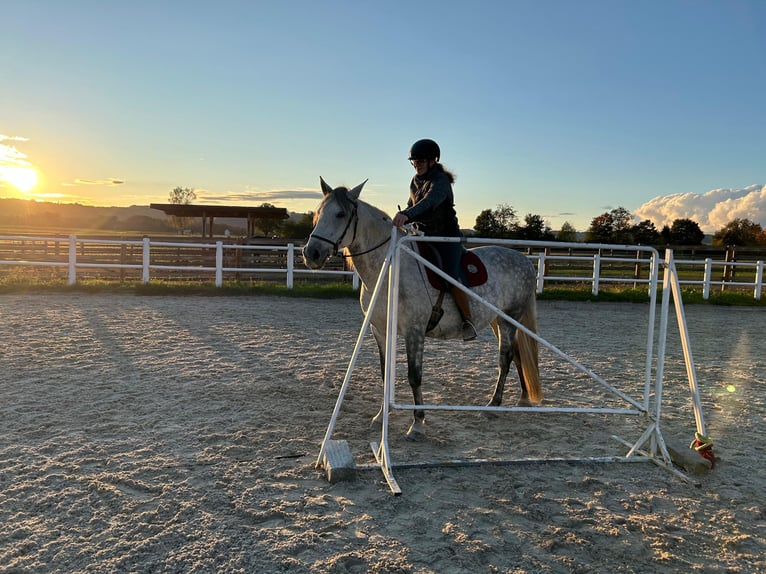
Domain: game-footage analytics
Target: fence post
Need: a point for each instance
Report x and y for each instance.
(290, 264)
(758, 280)
(219, 263)
(706, 278)
(596, 271)
(728, 270)
(541, 271)
(72, 279)
(145, 261)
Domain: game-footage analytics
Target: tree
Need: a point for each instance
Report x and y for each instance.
(611, 227)
(645, 233)
(180, 196)
(268, 226)
(498, 223)
(622, 227)
(665, 235)
(685, 232)
(567, 233)
(738, 232)
(300, 229)
(535, 229)
(600, 230)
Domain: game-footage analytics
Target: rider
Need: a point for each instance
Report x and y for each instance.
(431, 207)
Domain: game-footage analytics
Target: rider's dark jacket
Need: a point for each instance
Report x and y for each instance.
(431, 204)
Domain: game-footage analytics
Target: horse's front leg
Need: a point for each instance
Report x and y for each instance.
(380, 339)
(414, 342)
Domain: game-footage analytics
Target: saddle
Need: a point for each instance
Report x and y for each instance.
(473, 273)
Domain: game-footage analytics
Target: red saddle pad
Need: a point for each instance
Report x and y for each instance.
(473, 269)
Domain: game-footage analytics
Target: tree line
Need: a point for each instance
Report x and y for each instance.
(616, 227)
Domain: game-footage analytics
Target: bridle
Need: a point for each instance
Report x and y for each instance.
(336, 244)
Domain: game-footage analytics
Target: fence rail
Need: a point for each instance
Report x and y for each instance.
(146, 259)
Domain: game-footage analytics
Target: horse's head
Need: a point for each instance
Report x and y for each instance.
(334, 224)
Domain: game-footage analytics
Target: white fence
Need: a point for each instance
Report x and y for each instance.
(215, 253)
(218, 259)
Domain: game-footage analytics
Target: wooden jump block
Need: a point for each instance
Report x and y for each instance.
(338, 461)
(687, 458)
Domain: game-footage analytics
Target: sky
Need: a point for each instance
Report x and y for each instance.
(556, 108)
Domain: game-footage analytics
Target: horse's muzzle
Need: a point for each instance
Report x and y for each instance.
(313, 256)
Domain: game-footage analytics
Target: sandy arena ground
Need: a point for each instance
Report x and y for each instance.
(179, 434)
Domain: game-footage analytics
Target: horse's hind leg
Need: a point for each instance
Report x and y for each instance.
(524, 398)
(505, 354)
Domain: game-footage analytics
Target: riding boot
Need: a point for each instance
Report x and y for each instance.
(461, 300)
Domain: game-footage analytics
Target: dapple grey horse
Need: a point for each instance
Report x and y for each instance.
(343, 221)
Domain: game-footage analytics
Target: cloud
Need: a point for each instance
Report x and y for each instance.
(711, 210)
(109, 182)
(258, 196)
(10, 156)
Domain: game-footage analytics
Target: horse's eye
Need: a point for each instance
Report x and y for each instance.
(340, 215)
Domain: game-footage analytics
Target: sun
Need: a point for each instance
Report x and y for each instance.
(22, 178)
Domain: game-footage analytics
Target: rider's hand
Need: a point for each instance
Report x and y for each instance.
(399, 219)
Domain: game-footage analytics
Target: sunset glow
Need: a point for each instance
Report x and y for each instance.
(23, 179)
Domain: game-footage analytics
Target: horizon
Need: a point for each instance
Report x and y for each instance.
(561, 110)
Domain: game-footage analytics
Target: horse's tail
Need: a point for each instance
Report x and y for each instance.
(528, 353)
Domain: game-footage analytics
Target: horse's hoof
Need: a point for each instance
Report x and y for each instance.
(524, 402)
(490, 414)
(416, 432)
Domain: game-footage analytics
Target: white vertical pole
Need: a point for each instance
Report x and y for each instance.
(72, 278)
(653, 281)
(662, 343)
(391, 328)
(290, 264)
(541, 272)
(145, 261)
(706, 278)
(219, 263)
(758, 280)
(596, 272)
(389, 378)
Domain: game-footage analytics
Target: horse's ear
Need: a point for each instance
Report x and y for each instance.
(357, 190)
(325, 188)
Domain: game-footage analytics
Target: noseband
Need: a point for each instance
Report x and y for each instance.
(336, 244)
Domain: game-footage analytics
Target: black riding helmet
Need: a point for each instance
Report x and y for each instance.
(425, 149)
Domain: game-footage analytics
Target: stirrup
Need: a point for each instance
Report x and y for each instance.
(469, 331)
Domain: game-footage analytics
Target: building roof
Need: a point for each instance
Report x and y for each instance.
(190, 210)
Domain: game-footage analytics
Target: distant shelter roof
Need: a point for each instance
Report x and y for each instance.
(209, 212)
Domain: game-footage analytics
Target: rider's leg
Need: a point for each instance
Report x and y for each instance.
(450, 255)
(463, 305)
